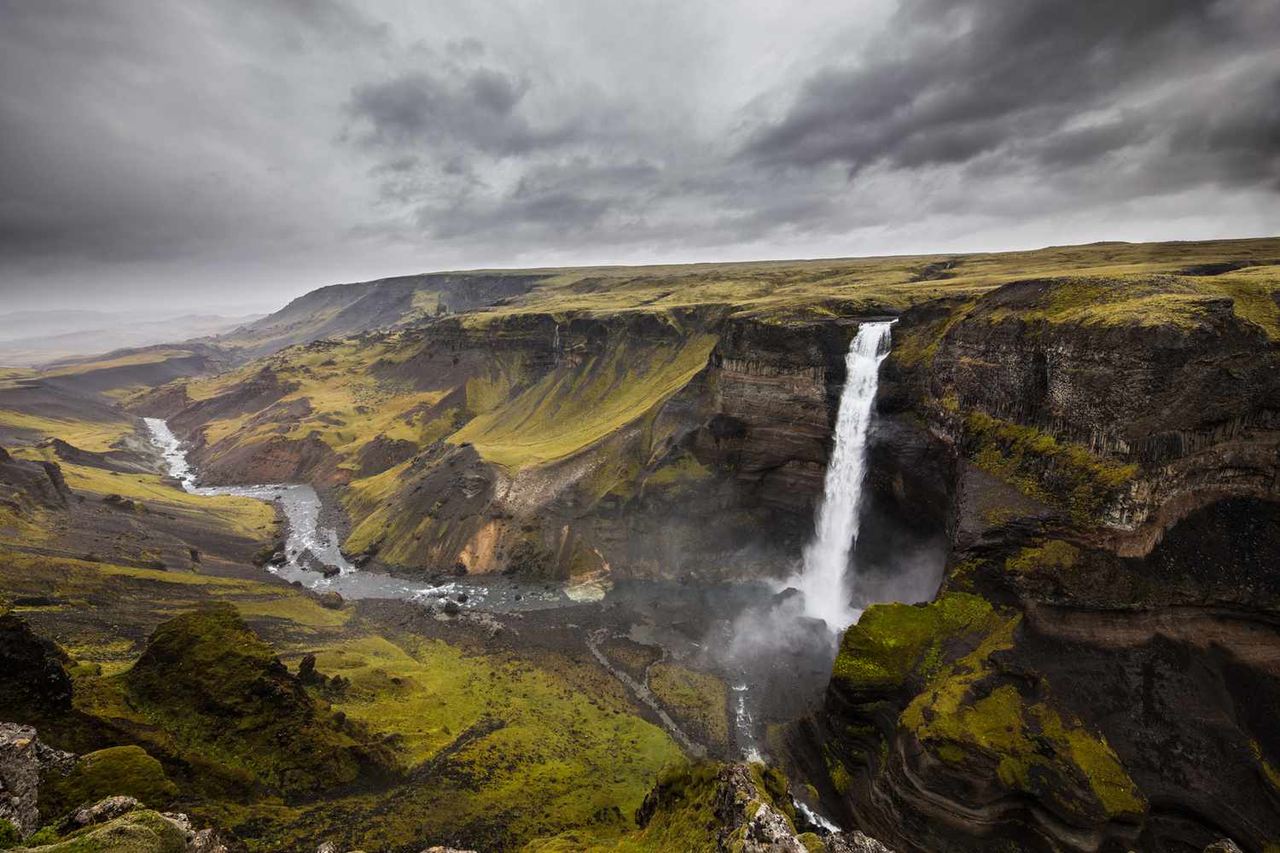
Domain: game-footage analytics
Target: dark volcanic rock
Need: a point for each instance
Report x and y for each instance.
(34, 684)
(1115, 494)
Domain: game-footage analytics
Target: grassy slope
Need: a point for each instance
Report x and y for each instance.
(570, 751)
(569, 410)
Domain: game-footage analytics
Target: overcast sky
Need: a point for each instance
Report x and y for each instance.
(240, 152)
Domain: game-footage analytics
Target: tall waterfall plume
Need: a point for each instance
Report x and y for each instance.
(823, 578)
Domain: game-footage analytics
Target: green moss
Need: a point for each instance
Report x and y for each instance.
(1269, 771)
(141, 831)
(1033, 747)
(678, 474)
(212, 683)
(812, 843)
(9, 835)
(43, 836)
(1041, 467)
(699, 700)
(119, 770)
(1054, 555)
(679, 814)
(576, 406)
(892, 642)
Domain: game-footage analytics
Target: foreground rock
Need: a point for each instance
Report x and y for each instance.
(24, 760)
(738, 808)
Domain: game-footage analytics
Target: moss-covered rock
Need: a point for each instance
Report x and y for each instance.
(139, 831)
(222, 693)
(893, 642)
(1046, 468)
(9, 835)
(122, 770)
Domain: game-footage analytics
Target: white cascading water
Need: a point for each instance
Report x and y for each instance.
(826, 558)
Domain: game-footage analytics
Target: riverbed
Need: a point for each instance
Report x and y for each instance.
(314, 558)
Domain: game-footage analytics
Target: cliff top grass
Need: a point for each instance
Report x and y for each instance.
(817, 289)
(93, 435)
(1148, 300)
(126, 358)
(246, 517)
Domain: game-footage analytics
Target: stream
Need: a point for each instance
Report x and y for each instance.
(312, 550)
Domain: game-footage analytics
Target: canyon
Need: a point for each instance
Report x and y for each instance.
(1061, 633)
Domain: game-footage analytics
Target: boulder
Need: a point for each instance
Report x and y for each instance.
(331, 600)
(127, 771)
(853, 842)
(103, 810)
(23, 762)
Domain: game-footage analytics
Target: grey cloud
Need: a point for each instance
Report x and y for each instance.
(957, 80)
(474, 108)
(234, 147)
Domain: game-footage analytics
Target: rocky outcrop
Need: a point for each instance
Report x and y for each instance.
(736, 808)
(24, 761)
(34, 683)
(27, 487)
(207, 677)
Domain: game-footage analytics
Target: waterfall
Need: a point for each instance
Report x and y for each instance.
(826, 558)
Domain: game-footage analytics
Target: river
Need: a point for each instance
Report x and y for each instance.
(314, 558)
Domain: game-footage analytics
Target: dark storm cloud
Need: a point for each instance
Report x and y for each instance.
(1048, 84)
(476, 108)
(244, 148)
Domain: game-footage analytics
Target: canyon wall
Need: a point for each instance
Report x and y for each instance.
(1093, 673)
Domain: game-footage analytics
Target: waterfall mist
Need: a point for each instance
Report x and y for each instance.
(780, 649)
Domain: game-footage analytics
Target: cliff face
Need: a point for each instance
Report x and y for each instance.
(645, 444)
(1091, 676)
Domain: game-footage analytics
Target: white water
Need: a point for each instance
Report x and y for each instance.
(309, 544)
(744, 725)
(824, 577)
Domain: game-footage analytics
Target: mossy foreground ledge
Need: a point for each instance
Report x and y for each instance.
(225, 695)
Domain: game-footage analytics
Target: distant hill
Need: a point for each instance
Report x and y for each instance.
(31, 338)
(340, 310)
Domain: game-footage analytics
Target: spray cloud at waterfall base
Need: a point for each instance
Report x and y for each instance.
(783, 648)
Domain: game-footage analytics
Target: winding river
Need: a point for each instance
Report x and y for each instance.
(313, 556)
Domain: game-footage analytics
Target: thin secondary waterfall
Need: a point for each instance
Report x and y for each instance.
(826, 558)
